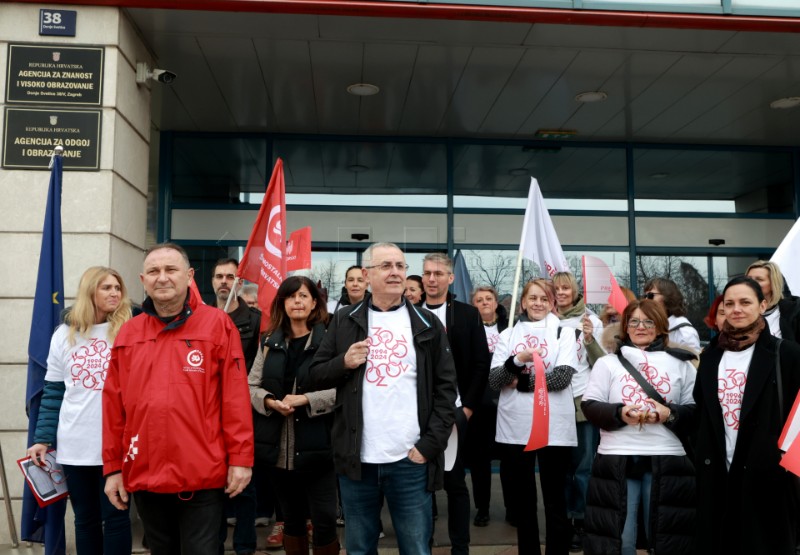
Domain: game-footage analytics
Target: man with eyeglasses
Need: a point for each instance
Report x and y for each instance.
(467, 339)
(396, 389)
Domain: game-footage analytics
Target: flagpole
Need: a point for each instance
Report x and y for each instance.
(232, 294)
(57, 151)
(515, 288)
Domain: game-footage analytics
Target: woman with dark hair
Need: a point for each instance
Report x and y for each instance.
(746, 385)
(71, 409)
(536, 335)
(681, 331)
(353, 290)
(414, 289)
(783, 310)
(641, 399)
(292, 425)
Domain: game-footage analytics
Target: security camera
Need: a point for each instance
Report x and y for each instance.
(163, 76)
(143, 73)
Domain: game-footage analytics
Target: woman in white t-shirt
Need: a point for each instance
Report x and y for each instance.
(70, 415)
(641, 399)
(746, 385)
(681, 331)
(783, 312)
(512, 373)
(354, 290)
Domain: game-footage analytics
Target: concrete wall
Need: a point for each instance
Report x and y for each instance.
(104, 212)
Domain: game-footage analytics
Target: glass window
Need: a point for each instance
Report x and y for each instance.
(690, 274)
(499, 176)
(686, 180)
(360, 173)
(218, 169)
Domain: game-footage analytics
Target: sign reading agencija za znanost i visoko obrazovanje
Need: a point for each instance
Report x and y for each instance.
(55, 74)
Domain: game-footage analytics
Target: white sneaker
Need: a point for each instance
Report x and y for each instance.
(263, 521)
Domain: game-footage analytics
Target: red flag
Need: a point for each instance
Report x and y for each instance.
(787, 441)
(264, 260)
(540, 430)
(298, 250)
(599, 285)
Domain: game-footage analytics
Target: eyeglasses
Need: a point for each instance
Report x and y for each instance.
(635, 323)
(438, 274)
(387, 266)
(651, 295)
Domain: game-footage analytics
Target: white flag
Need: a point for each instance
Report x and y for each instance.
(786, 258)
(539, 240)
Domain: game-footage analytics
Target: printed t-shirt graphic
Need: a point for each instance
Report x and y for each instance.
(389, 400)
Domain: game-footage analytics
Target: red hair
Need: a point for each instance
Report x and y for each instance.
(711, 318)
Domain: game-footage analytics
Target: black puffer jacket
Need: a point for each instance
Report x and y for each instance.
(672, 502)
(308, 436)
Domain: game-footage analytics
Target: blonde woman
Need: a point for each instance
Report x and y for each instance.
(71, 409)
(783, 312)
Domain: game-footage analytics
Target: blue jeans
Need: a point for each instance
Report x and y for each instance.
(638, 491)
(99, 526)
(581, 469)
(243, 507)
(404, 486)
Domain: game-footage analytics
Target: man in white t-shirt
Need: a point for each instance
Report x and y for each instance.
(396, 388)
(471, 357)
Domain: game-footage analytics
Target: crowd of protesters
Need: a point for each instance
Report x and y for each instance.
(397, 389)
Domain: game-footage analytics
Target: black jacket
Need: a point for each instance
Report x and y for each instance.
(436, 387)
(751, 508)
(248, 321)
(790, 318)
(312, 436)
(672, 505)
(467, 338)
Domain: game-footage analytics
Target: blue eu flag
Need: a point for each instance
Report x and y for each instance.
(45, 524)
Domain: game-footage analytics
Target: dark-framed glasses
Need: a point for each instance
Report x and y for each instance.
(386, 266)
(635, 323)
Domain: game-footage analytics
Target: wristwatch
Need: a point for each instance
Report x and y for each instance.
(671, 418)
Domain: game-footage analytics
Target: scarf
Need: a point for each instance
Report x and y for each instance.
(576, 310)
(732, 339)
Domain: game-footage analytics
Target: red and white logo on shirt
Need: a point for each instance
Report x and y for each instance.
(89, 364)
(632, 393)
(532, 341)
(730, 390)
(387, 359)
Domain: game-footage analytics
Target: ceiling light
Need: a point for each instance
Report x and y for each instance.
(785, 103)
(363, 89)
(591, 96)
(516, 172)
(555, 133)
(357, 168)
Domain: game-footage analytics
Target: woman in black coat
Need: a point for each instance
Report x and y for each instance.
(746, 385)
(292, 425)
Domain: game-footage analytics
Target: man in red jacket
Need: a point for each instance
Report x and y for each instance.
(177, 424)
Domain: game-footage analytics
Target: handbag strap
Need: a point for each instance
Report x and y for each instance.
(778, 376)
(643, 383)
